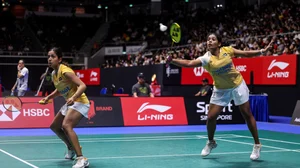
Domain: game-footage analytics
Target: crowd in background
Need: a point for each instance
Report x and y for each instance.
(12, 37)
(250, 30)
(69, 33)
(36, 33)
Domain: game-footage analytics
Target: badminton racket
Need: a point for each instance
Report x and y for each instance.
(37, 93)
(14, 103)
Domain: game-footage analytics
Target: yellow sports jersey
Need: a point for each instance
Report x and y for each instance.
(65, 87)
(222, 69)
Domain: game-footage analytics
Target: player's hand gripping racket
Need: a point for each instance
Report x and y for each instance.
(14, 103)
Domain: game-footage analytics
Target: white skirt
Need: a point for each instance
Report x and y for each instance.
(222, 97)
(81, 108)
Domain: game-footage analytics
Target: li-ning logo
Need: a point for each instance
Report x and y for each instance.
(156, 117)
(281, 65)
(278, 74)
(7, 115)
(93, 76)
(159, 108)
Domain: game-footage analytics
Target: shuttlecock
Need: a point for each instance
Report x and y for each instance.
(162, 27)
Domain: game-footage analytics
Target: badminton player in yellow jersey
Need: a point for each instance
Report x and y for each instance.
(77, 105)
(228, 85)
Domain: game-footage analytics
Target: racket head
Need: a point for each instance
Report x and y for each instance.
(12, 103)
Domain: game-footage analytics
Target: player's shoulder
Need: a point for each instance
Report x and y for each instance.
(25, 69)
(205, 58)
(62, 67)
(227, 48)
(65, 68)
(206, 55)
(136, 85)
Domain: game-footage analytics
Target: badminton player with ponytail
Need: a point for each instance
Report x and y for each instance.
(228, 85)
(77, 105)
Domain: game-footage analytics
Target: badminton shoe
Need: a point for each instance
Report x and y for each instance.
(208, 148)
(256, 152)
(70, 154)
(81, 162)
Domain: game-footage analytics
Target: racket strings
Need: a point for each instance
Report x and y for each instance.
(12, 104)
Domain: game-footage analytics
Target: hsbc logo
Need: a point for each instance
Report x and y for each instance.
(241, 68)
(278, 74)
(6, 115)
(198, 71)
(159, 109)
(93, 76)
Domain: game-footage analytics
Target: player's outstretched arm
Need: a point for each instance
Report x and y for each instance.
(251, 53)
(183, 62)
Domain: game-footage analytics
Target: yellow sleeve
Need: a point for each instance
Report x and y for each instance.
(229, 50)
(66, 69)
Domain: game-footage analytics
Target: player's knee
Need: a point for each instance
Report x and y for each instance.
(246, 114)
(211, 117)
(67, 126)
(54, 127)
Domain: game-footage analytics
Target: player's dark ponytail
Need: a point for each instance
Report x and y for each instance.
(65, 63)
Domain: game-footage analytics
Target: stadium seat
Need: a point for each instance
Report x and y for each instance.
(103, 91)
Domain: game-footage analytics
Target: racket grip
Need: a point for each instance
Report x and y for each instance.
(43, 102)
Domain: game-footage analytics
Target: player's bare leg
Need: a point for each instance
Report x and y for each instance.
(56, 127)
(250, 120)
(71, 120)
(213, 113)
